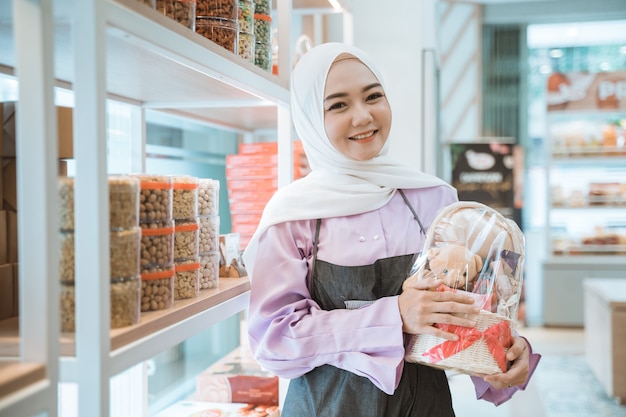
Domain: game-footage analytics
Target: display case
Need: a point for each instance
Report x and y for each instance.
(102, 50)
(586, 189)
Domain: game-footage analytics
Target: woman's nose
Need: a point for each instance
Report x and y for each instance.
(361, 115)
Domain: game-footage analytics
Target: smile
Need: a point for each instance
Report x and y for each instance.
(364, 135)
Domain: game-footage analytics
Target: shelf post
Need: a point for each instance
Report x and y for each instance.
(91, 209)
(36, 171)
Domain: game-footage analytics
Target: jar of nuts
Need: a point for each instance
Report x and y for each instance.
(157, 288)
(223, 9)
(246, 47)
(263, 56)
(209, 272)
(245, 16)
(186, 233)
(182, 11)
(123, 253)
(125, 297)
(157, 245)
(209, 234)
(208, 197)
(263, 29)
(185, 205)
(155, 199)
(263, 7)
(221, 31)
(187, 279)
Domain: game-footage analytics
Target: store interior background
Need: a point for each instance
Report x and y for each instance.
(470, 71)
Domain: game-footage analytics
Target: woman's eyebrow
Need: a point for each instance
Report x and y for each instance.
(338, 95)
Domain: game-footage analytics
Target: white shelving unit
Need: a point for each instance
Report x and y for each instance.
(121, 50)
(582, 226)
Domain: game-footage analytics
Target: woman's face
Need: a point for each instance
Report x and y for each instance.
(357, 116)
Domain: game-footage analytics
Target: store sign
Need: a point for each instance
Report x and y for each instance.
(578, 91)
(483, 172)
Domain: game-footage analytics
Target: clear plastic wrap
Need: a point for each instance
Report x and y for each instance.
(474, 249)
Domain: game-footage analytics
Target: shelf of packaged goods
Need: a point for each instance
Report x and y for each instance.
(154, 61)
(156, 331)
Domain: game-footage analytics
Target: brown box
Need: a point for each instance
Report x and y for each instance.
(9, 184)
(7, 292)
(65, 132)
(11, 236)
(3, 237)
(237, 378)
(16, 291)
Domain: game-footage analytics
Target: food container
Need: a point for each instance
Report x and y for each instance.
(209, 272)
(157, 288)
(263, 7)
(124, 254)
(245, 16)
(157, 245)
(125, 294)
(246, 47)
(263, 56)
(208, 197)
(209, 234)
(221, 31)
(223, 9)
(182, 11)
(185, 205)
(155, 198)
(123, 202)
(186, 233)
(263, 28)
(150, 3)
(187, 279)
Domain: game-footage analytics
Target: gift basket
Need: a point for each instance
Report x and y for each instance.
(473, 249)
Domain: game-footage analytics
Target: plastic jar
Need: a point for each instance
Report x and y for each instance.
(123, 254)
(263, 7)
(245, 16)
(157, 288)
(221, 31)
(182, 11)
(155, 198)
(263, 28)
(209, 235)
(224, 9)
(208, 197)
(123, 202)
(246, 47)
(186, 238)
(263, 56)
(187, 279)
(209, 271)
(185, 200)
(157, 245)
(125, 310)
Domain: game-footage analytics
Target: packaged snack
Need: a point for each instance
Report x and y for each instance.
(474, 249)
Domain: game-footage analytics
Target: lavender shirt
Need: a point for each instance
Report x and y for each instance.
(290, 334)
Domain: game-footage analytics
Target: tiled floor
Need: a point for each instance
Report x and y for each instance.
(562, 370)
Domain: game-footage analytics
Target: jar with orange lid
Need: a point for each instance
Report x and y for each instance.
(157, 288)
(221, 31)
(186, 232)
(182, 11)
(185, 197)
(209, 271)
(187, 278)
(155, 198)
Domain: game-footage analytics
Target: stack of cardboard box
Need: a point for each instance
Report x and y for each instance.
(8, 203)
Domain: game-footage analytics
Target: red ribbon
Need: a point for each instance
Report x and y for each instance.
(497, 337)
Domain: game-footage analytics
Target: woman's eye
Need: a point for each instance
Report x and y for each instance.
(375, 96)
(336, 106)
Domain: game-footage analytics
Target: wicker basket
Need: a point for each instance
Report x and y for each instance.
(484, 355)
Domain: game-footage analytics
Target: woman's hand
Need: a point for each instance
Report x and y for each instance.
(421, 307)
(519, 355)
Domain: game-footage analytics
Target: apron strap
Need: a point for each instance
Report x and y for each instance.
(415, 216)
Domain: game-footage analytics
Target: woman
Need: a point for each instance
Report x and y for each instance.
(332, 250)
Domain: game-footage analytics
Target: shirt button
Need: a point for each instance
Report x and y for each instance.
(375, 237)
(362, 239)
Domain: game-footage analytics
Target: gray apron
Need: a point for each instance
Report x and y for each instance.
(328, 391)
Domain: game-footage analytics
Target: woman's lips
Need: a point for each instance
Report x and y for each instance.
(364, 136)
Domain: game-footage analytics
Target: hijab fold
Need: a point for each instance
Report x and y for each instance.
(337, 185)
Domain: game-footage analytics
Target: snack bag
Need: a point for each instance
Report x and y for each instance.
(473, 249)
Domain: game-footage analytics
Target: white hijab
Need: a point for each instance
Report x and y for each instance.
(336, 186)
